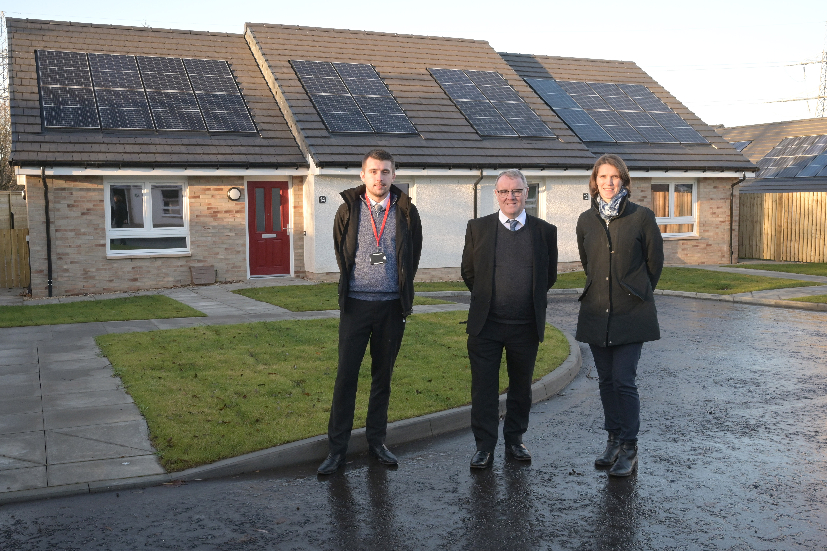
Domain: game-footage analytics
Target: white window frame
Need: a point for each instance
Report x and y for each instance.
(671, 219)
(147, 231)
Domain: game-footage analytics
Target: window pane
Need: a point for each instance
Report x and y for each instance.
(126, 206)
(260, 210)
(276, 209)
(660, 200)
(531, 199)
(167, 206)
(156, 243)
(677, 228)
(683, 200)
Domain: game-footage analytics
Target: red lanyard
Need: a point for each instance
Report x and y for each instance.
(378, 236)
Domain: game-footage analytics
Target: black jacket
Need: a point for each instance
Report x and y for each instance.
(478, 267)
(408, 242)
(623, 263)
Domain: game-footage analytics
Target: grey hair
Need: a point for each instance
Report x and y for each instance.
(514, 174)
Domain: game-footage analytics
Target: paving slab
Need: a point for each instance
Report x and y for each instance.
(20, 422)
(19, 385)
(104, 469)
(26, 404)
(98, 362)
(24, 450)
(94, 415)
(11, 356)
(86, 399)
(111, 440)
(28, 478)
(101, 380)
(129, 326)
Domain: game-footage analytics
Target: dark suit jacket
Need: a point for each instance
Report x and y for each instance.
(478, 267)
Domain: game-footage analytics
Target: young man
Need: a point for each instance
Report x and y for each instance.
(378, 240)
(509, 263)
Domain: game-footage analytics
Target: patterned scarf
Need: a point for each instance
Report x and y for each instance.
(610, 210)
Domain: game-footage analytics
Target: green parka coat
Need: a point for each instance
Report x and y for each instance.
(623, 261)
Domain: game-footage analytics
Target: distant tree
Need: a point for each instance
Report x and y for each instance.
(7, 180)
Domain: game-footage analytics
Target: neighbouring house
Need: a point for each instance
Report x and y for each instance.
(784, 206)
(160, 151)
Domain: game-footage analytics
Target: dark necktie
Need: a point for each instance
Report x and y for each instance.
(513, 225)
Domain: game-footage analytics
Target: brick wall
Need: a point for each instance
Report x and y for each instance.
(78, 223)
(297, 214)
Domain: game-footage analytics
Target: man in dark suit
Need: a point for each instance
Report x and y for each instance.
(509, 263)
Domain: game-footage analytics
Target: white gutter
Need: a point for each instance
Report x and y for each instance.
(166, 172)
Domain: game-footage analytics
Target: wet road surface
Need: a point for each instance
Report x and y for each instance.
(733, 456)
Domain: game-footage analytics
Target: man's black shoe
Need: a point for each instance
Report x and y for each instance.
(626, 460)
(518, 452)
(332, 463)
(482, 460)
(610, 454)
(383, 454)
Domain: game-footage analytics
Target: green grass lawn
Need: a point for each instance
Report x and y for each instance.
(817, 299)
(305, 298)
(214, 392)
(116, 309)
(814, 268)
(697, 281)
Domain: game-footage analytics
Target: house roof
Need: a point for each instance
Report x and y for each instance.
(718, 154)
(34, 144)
(445, 138)
(764, 138)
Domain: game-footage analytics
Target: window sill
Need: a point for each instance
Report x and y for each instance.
(680, 237)
(159, 255)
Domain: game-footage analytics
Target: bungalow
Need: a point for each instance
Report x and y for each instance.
(156, 152)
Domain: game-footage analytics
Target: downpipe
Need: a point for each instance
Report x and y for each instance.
(476, 187)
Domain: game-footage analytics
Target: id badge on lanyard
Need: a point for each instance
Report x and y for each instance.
(378, 257)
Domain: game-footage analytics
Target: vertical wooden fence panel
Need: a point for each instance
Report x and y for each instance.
(14, 266)
(790, 227)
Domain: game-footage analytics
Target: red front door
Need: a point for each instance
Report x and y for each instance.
(268, 219)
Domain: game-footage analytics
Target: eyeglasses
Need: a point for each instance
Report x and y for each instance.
(506, 192)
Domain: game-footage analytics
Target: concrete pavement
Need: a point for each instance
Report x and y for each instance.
(67, 426)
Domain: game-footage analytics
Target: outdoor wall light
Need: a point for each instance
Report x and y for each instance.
(234, 194)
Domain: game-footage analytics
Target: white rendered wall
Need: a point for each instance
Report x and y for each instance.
(318, 245)
(564, 203)
(445, 205)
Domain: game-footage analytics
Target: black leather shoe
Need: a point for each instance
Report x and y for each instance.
(482, 460)
(518, 452)
(332, 463)
(610, 455)
(626, 460)
(383, 454)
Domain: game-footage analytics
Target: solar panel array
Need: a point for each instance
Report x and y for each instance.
(350, 97)
(490, 104)
(608, 112)
(798, 157)
(126, 92)
(740, 146)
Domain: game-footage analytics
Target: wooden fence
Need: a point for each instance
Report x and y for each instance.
(14, 251)
(790, 227)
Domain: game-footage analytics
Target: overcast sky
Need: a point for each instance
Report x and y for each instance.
(731, 62)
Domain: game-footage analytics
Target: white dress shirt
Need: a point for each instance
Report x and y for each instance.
(520, 220)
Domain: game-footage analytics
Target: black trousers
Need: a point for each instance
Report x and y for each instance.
(616, 371)
(362, 321)
(485, 352)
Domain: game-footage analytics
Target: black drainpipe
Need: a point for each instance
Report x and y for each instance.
(476, 184)
(732, 213)
(48, 230)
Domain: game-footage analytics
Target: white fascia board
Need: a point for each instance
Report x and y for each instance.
(407, 172)
(688, 174)
(539, 172)
(165, 172)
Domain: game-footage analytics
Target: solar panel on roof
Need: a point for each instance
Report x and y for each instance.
(123, 109)
(648, 127)
(585, 97)
(678, 127)
(175, 111)
(225, 113)
(814, 167)
(490, 104)
(583, 125)
(645, 98)
(617, 128)
(164, 74)
(552, 93)
(65, 107)
(212, 76)
(740, 146)
(63, 69)
(115, 71)
(523, 119)
(351, 97)
(614, 96)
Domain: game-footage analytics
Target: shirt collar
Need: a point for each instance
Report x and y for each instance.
(383, 202)
(520, 218)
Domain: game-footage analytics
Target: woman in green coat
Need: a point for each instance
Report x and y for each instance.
(621, 250)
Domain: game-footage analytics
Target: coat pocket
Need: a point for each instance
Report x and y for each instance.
(634, 291)
(585, 289)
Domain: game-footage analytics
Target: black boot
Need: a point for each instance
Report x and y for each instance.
(610, 455)
(626, 460)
